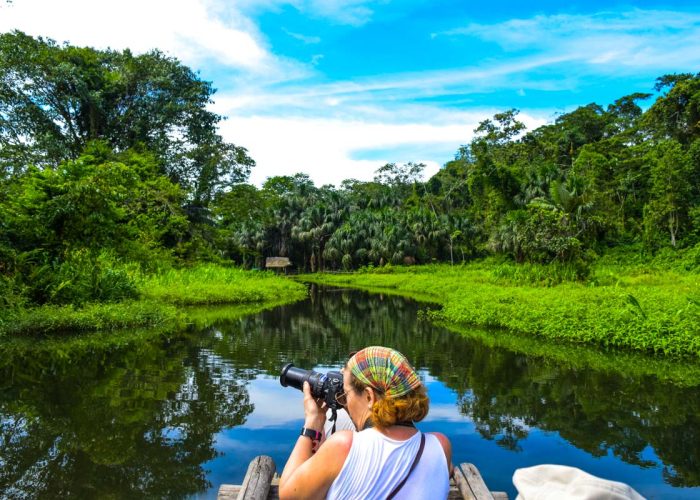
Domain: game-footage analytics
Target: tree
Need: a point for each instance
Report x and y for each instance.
(55, 99)
(670, 171)
(399, 175)
(65, 225)
(676, 113)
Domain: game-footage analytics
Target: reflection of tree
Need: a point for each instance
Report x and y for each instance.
(506, 394)
(139, 419)
(139, 424)
(595, 411)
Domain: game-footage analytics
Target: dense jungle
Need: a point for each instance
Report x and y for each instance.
(120, 201)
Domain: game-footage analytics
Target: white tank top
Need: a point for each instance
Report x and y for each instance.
(376, 464)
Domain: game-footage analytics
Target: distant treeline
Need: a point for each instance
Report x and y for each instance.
(110, 160)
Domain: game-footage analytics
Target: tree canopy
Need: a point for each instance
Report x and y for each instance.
(111, 159)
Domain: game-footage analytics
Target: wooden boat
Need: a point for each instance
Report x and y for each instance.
(261, 483)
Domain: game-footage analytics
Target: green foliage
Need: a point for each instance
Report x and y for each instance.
(649, 312)
(670, 192)
(56, 99)
(212, 284)
(594, 179)
(111, 165)
(94, 212)
(83, 276)
(70, 319)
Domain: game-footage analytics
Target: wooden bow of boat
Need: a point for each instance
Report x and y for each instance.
(261, 483)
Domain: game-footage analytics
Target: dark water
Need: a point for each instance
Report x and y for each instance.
(177, 415)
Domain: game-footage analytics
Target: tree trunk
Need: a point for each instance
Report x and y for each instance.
(673, 227)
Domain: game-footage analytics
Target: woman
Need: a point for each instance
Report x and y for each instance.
(384, 397)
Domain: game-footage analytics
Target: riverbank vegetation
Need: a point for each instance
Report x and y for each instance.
(636, 307)
(158, 301)
(108, 164)
(116, 188)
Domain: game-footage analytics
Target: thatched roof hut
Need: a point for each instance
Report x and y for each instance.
(277, 263)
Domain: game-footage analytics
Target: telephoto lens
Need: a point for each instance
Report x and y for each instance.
(295, 377)
(323, 386)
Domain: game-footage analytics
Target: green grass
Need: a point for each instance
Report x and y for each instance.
(211, 284)
(110, 316)
(163, 302)
(639, 309)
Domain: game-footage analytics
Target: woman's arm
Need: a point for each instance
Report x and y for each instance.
(309, 475)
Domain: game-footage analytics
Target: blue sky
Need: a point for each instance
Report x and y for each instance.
(336, 88)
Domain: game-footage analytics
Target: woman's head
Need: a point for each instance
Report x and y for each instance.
(398, 394)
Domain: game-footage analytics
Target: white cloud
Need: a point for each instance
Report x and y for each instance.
(325, 148)
(194, 31)
(620, 40)
(348, 12)
(307, 39)
(352, 12)
(389, 97)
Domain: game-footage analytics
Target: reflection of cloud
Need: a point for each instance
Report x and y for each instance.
(275, 406)
(447, 413)
(233, 441)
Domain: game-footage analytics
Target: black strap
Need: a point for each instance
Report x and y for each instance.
(413, 466)
(334, 419)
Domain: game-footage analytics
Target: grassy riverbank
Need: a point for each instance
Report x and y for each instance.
(161, 300)
(635, 307)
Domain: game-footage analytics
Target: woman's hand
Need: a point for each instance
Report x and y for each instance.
(314, 410)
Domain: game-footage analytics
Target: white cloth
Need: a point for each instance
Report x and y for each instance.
(544, 482)
(376, 464)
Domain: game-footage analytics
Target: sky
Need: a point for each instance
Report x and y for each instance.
(338, 88)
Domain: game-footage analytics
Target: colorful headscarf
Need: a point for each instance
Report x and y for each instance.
(384, 369)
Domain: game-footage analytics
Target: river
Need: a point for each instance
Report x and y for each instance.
(159, 415)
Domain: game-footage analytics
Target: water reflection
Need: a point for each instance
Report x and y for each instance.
(173, 416)
(134, 421)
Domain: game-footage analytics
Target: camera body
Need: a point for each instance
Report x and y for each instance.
(326, 386)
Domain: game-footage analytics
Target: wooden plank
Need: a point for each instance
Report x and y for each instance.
(454, 494)
(256, 484)
(466, 484)
(470, 483)
(228, 491)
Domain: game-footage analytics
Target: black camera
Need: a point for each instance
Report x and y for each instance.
(326, 386)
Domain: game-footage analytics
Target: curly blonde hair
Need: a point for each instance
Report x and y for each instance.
(411, 407)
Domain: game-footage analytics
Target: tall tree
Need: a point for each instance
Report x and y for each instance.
(670, 170)
(54, 99)
(676, 113)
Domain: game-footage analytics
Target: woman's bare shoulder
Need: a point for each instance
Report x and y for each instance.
(442, 438)
(339, 441)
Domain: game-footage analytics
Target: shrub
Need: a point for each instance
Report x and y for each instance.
(83, 276)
